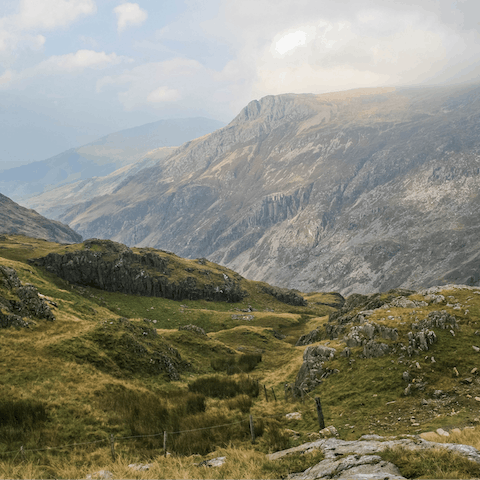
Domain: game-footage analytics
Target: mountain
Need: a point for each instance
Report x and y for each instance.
(53, 203)
(357, 191)
(102, 156)
(15, 219)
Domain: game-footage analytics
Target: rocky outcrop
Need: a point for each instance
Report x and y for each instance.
(114, 267)
(19, 313)
(193, 328)
(440, 319)
(360, 458)
(285, 295)
(308, 338)
(313, 371)
(18, 220)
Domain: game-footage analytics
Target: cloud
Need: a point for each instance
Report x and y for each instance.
(51, 14)
(71, 63)
(163, 94)
(129, 14)
(19, 30)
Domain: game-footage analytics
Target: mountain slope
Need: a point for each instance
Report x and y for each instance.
(102, 156)
(15, 219)
(353, 191)
(54, 203)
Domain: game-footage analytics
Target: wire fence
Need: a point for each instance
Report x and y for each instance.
(165, 434)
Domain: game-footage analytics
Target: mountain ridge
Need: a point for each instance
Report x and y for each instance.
(359, 191)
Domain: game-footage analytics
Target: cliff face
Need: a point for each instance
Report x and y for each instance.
(16, 219)
(357, 191)
(114, 267)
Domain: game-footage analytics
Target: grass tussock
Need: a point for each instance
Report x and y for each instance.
(432, 463)
(19, 419)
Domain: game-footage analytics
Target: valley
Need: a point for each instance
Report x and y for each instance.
(119, 362)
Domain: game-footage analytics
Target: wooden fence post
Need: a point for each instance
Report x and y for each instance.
(252, 430)
(112, 446)
(321, 420)
(274, 396)
(22, 452)
(265, 390)
(164, 443)
(285, 389)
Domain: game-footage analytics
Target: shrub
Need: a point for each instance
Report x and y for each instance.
(221, 387)
(19, 418)
(243, 364)
(241, 402)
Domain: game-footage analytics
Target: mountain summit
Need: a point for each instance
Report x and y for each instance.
(356, 191)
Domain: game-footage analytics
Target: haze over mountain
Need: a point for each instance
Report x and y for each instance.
(15, 219)
(356, 191)
(101, 157)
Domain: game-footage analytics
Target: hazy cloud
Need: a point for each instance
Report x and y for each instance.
(51, 14)
(129, 14)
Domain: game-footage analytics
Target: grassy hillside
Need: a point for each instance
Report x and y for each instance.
(121, 365)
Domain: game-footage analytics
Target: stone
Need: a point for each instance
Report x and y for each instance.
(476, 348)
(140, 467)
(214, 462)
(374, 349)
(293, 416)
(100, 475)
(330, 431)
(406, 376)
(474, 370)
(442, 432)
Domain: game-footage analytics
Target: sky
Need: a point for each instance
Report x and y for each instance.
(72, 71)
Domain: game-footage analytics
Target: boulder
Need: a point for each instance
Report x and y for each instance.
(374, 349)
(312, 370)
(309, 338)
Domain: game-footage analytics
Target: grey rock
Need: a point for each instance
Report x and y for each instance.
(354, 451)
(406, 376)
(313, 371)
(421, 340)
(214, 462)
(100, 475)
(374, 349)
(193, 328)
(309, 338)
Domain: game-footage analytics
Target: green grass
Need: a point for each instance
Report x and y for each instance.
(93, 375)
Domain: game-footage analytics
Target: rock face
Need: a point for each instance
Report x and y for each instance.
(18, 220)
(358, 191)
(358, 460)
(19, 313)
(313, 371)
(114, 267)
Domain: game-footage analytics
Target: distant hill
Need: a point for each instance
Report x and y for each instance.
(15, 219)
(357, 191)
(101, 157)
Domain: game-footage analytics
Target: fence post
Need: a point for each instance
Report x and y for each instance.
(164, 443)
(22, 452)
(112, 446)
(265, 390)
(274, 396)
(252, 430)
(321, 420)
(285, 389)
